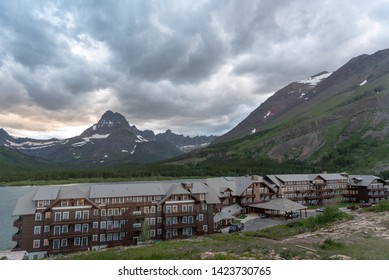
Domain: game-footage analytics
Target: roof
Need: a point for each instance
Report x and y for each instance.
(47, 193)
(233, 209)
(211, 196)
(127, 189)
(25, 205)
(220, 216)
(236, 184)
(280, 204)
(363, 180)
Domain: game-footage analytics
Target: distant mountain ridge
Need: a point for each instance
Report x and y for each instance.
(111, 140)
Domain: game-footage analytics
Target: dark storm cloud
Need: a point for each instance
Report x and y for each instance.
(189, 65)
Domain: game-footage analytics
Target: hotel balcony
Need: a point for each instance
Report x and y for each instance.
(17, 237)
(19, 222)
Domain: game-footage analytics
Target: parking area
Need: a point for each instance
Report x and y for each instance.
(254, 222)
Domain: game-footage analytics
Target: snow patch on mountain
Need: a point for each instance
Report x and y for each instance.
(141, 139)
(133, 150)
(363, 83)
(30, 145)
(313, 81)
(87, 140)
(269, 113)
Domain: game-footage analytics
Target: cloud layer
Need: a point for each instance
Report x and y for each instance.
(196, 67)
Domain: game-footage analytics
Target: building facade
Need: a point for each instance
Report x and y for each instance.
(55, 220)
(62, 219)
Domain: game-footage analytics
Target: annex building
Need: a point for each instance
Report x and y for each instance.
(55, 220)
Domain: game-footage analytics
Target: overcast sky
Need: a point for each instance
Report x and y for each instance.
(196, 67)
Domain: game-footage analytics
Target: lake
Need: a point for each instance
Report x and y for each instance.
(8, 198)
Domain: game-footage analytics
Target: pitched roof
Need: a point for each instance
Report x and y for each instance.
(219, 216)
(363, 180)
(25, 205)
(280, 204)
(126, 189)
(47, 193)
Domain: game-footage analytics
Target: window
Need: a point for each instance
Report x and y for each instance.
(168, 209)
(190, 208)
(109, 237)
(110, 212)
(65, 215)
(47, 228)
(152, 209)
(159, 231)
(45, 242)
(146, 210)
(47, 215)
(159, 208)
(201, 217)
(115, 224)
(102, 237)
(38, 217)
(202, 196)
(159, 220)
(174, 220)
(116, 211)
(57, 230)
(152, 233)
(175, 208)
(152, 221)
(175, 232)
(190, 220)
(78, 215)
(65, 229)
(64, 203)
(84, 242)
(184, 208)
(115, 236)
(37, 230)
(95, 225)
(204, 206)
(57, 216)
(109, 225)
(85, 228)
(56, 244)
(103, 225)
(95, 237)
(205, 228)
(77, 241)
(95, 212)
(103, 212)
(85, 215)
(97, 200)
(36, 243)
(64, 242)
(77, 228)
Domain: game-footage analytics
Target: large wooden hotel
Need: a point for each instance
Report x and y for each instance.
(62, 219)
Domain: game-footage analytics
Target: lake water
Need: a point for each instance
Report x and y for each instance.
(8, 198)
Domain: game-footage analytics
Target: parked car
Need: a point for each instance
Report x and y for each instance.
(241, 226)
(233, 228)
(320, 210)
(264, 216)
(293, 215)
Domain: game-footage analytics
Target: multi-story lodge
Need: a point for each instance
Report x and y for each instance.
(309, 189)
(62, 219)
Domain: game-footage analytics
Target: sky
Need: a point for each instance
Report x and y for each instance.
(195, 67)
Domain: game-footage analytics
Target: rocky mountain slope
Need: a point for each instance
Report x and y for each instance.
(339, 121)
(112, 140)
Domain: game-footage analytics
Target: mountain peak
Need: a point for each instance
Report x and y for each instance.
(111, 120)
